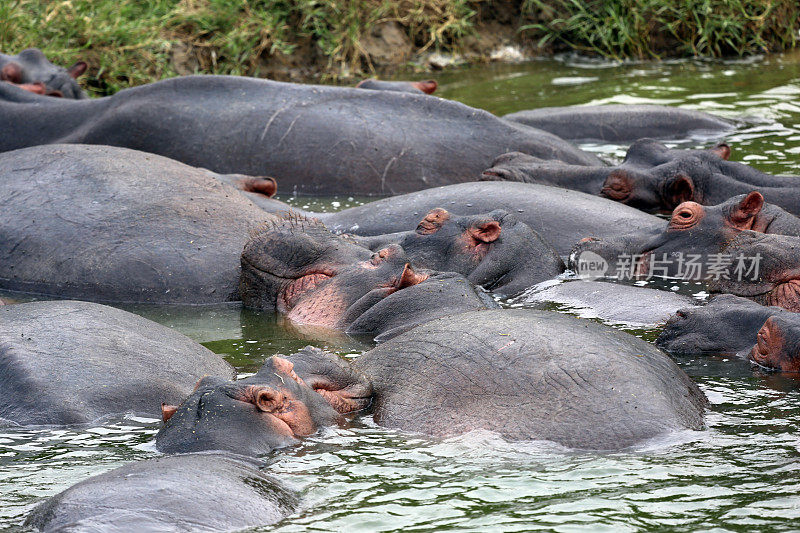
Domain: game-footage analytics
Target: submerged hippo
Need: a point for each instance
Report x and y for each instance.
(299, 268)
(74, 362)
(527, 375)
(560, 216)
(115, 225)
(31, 71)
(622, 123)
(767, 336)
(424, 87)
(195, 492)
(493, 250)
(312, 139)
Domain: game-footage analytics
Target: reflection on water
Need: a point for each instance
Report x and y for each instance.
(743, 473)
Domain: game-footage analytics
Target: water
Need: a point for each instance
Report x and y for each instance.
(741, 474)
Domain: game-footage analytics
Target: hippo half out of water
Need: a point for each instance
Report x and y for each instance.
(313, 139)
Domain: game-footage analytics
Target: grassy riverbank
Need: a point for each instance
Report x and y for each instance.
(130, 42)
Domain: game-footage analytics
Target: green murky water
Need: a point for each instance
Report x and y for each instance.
(741, 474)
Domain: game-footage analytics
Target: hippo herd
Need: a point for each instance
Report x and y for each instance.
(162, 194)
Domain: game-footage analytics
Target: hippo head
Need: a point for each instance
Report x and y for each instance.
(512, 166)
(494, 250)
(299, 268)
(31, 71)
(272, 409)
(778, 345)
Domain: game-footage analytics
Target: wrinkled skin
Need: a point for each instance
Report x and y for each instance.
(493, 250)
(119, 226)
(560, 216)
(312, 139)
(209, 492)
(527, 375)
(416, 87)
(721, 235)
(767, 336)
(622, 123)
(272, 409)
(31, 71)
(72, 362)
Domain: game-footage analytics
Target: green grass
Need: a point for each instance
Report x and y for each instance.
(130, 42)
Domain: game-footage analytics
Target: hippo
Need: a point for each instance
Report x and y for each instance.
(654, 178)
(70, 362)
(560, 216)
(297, 267)
(115, 225)
(613, 303)
(623, 123)
(30, 70)
(312, 139)
(525, 374)
(768, 336)
(493, 250)
(417, 87)
(193, 492)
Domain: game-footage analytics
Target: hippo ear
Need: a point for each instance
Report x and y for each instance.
(485, 231)
(410, 277)
(77, 69)
(12, 72)
(427, 86)
(722, 150)
(345, 389)
(618, 186)
(433, 221)
(167, 411)
(749, 207)
(262, 185)
(677, 190)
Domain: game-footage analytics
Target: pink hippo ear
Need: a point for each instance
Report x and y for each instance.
(743, 214)
(678, 190)
(618, 186)
(427, 86)
(12, 72)
(722, 150)
(433, 221)
(77, 69)
(485, 231)
(410, 277)
(167, 411)
(262, 185)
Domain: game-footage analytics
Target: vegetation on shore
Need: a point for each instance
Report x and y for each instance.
(130, 42)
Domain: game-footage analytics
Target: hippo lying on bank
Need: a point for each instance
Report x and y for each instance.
(417, 87)
(524, 374)
(299, 268)
(74, 362)
(110, 224)
(654, 178)
(622, 123)
(31, 70)
(313, 139)
(767, 336)
(195, 492)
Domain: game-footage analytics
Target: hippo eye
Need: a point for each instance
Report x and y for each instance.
(686, 215)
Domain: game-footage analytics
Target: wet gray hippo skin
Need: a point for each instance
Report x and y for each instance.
(31, 67)
(494, 250)
(622, 123)
(299, 268)
(560, 216)
(312, 139)
(416, 87)
(111, 224)
(613, 302)
(768, 336)
(74, 362)
(195, 492)
(528, 375)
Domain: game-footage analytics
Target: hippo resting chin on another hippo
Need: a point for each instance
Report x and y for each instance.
(654, 178)
(299, 268)
(30, 70)
(768, 336)
(527, 375)
(195, 492)
(74, 362)
(110, 224)
(312, 138)
(622, 123)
